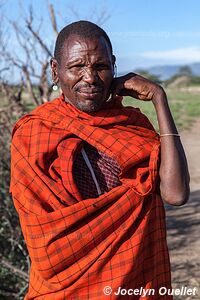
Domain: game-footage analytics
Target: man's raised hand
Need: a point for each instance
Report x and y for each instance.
(136, 86)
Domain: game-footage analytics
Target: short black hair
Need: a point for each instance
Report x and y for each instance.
(81, 28)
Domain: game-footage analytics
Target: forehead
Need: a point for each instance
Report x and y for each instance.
(76, 46)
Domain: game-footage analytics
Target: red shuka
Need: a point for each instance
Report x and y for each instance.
(76, 246)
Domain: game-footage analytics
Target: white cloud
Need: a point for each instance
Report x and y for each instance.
(188, 54)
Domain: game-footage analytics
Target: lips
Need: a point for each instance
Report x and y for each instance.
(89, 92)
(89, 95)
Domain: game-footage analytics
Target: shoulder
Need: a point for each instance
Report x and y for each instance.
(35, 115)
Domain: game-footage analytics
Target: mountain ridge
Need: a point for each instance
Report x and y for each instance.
(164, 72)
(167, 71)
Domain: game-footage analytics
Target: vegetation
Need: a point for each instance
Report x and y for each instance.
(184, 77)
(148, 75)
(185, 107)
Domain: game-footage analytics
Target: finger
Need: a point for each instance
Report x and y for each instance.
(117, 88)
(115, 92)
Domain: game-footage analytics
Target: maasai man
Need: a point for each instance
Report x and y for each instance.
(89, 178)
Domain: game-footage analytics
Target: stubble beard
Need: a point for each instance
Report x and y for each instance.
(90, 107)
(87, 106)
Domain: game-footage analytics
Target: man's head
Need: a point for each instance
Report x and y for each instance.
(83, 64)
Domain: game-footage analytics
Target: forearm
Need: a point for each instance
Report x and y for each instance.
(174, 175)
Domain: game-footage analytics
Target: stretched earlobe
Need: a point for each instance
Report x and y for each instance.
(114, 66)
(54, 71)
(53, 63)
(115, 70)
(113, 59)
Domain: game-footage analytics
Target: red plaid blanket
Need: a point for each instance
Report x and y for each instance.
(76, 246)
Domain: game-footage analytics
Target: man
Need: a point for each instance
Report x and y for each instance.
(89, 178)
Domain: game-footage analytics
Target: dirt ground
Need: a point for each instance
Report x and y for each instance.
(183, 223)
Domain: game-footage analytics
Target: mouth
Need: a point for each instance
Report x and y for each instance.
(90, 93)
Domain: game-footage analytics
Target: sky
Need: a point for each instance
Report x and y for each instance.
(144, 33)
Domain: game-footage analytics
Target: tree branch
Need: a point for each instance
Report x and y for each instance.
(21, 273)
(37, 37)
(53, 19)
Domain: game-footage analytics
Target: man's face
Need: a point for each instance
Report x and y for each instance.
(85, 72)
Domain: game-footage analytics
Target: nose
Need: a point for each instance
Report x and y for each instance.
(90, 75)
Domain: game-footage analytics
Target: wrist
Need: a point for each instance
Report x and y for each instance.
(159, 96)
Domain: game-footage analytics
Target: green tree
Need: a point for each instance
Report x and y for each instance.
(148, 75)
(185, 71)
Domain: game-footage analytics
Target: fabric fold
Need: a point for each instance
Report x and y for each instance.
(76, 246)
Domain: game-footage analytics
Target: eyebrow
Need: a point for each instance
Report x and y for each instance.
(79, 60)
(73, 61)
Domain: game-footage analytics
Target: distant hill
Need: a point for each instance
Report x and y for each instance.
(165, 72)
(182, 81)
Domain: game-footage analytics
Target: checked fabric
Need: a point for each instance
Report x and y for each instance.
(78, 246)
(105, 169)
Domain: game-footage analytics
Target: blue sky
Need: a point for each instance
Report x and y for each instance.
(144, 33)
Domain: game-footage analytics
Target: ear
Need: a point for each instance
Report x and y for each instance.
(54, 70)
(113, 63)
(113, 59)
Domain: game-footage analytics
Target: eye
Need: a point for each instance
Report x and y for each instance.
(102, 66)
(76, 67)
(79, 66)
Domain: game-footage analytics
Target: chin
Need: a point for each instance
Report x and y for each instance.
(89, 106)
